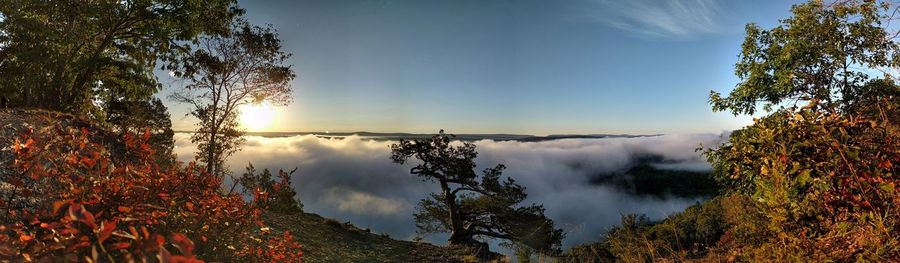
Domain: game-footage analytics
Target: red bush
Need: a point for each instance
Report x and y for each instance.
(64, 196)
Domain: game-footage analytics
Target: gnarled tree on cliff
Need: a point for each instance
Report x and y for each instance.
(470, 206)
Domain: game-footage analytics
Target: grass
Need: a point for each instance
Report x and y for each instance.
(327, 240)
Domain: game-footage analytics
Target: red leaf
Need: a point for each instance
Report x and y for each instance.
(78, 213)
(124, 209)
(185, 245)
(121, 245)
(106, 230)
(88, 162)
(146, 135)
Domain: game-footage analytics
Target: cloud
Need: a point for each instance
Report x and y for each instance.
(353, 179)
(351, 201)
(656, 18)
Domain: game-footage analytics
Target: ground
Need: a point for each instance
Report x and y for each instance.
(327, 240)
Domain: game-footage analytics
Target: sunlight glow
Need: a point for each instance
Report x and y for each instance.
(257, 117)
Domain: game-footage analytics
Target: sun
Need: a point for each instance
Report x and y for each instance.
(257, 117)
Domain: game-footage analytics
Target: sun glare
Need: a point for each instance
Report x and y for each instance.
(257, 117)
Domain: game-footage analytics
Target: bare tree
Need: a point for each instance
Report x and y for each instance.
(243, 66)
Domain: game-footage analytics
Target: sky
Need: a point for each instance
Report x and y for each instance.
(504, 66)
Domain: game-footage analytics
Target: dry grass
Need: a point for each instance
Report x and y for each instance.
(328, 240)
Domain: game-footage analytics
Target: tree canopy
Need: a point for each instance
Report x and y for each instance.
(826, 53)
(241, 66)
(139, 116)
(73, 56)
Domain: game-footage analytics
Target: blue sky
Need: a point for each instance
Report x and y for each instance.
(496, 66)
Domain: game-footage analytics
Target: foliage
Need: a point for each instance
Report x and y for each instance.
(823, 53)
(277, 196)
(469, 208)
(97, 51)
(825, 182)
(816, 183)
(686, 235)
(239, 67)
(64, 198)
(139, 116)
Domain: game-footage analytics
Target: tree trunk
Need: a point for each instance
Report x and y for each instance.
(211, 154)
(458, 234)
(212, 159)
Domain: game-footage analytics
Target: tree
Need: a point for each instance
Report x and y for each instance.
(277, 196)
(823, 53)
(468, 207)
(819, 182)
(66, 55)
(239, 67)
(139, 116)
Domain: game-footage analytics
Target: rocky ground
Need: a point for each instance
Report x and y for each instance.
(327, 240)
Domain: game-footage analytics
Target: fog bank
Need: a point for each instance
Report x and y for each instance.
(353, 179)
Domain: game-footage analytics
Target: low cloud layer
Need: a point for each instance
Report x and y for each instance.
(352, 178)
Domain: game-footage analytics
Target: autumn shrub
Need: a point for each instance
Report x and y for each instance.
(822, 181)
(269, 193)
(686, 235)
(63, 198)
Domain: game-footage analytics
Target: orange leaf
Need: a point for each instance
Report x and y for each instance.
(78, 213)
(146, 134)
(160, 240)
(57, 205)
(25, 238)
(134, 232)
(124, 209)
(121, 245)
(88, 162)
(106, 229)
(185, 245)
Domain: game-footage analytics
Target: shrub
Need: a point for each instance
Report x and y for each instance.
(277, 196)
(823, 181)
(66, 199)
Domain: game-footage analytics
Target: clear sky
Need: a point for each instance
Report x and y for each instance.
(508, 66)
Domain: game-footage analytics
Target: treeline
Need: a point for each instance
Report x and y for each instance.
(814, 180)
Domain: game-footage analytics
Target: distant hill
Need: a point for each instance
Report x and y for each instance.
(645, 177)
(462, 137)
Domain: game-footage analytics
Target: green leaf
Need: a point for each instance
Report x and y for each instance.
(886, 187)
(802, 178)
